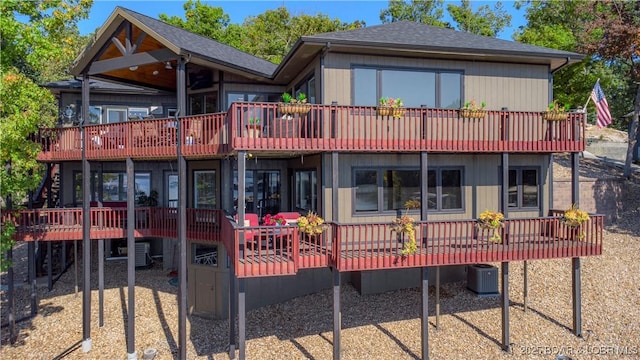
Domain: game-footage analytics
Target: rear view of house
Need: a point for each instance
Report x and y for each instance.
(194, 154)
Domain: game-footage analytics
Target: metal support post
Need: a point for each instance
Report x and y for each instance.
(131, 262)
(337, 315)
(576, 287)
(424, 312)
(242, 320)
(505, 307)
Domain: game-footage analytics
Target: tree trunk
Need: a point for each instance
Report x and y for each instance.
(633, 135)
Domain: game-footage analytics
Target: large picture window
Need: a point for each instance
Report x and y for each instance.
(385, 190)
(524, 189)
(433, 88)
(204, 189)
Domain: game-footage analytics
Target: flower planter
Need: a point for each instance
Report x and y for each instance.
(253, 131)
(555, 116)
(472, 114)
(396, 112)
(293, 108)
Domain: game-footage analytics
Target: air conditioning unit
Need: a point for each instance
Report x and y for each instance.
(143, 254)
(482, 279)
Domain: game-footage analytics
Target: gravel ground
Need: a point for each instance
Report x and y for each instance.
(384, 326)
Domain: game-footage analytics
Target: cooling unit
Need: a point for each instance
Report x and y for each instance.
(482, 279)
(143, 254)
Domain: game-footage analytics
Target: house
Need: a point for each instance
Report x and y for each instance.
(221, 153)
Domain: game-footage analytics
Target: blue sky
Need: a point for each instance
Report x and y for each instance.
(238, 10)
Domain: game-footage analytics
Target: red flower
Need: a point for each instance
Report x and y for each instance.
(273, 220)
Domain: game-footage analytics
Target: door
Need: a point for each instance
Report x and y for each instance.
(262, 191)
(205, 290)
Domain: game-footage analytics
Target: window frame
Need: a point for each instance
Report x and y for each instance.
(519, 189)
(97, 188)
(195, 188)
(379, 86)
(313, 189)
(380, 170)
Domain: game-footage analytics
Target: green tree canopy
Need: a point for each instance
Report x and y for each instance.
(485, 21)
(269, 35)
(38, 49)
(428, 12)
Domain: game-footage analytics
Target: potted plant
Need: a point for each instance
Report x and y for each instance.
(311, 224)
(555, 112)
(471, 110)
(404, 225)
(574, 217)
(391, 107)
(294, 105)
(491, 220)
(253, 127)
(274, 220)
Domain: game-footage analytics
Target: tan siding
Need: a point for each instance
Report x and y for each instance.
(516, 86)
(481, 182)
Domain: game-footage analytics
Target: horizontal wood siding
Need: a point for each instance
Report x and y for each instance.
(515, 86)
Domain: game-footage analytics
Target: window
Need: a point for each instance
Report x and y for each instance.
(204, 189)
(309, 88)
(204, 255)
(205, 103)
(435, 89)
(262, 191)
(172, 190)
(138, 113)
(114, 186)
(385, 190)
(240, 96)
(398, 187)
(444, 189)
(524, 188)
(115, 115)
(306, 189)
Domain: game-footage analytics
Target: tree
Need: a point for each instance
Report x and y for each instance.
(44, 47)
(206, 20)
(39, 50)
(560, 24)
(271, 34)
(428, 12)
(614, 36)
(484, 21)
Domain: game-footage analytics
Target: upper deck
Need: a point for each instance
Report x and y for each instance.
(319, 128)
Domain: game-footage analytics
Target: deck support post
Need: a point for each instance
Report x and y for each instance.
(437, 297)
(31, 257)
(526, 286)
(131, 261)
(242, 320)
(101, 282)
(424, 312)
(576, 288)
(232, 310)
(505, 307)
(86, 222)
(337, 315)
(181, 90)
(49, 265)
(10, 298)
(75, 265)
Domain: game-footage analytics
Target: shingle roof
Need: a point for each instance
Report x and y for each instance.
(416, 35)
(205, 47)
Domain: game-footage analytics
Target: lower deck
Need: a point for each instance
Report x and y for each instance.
(275, 250)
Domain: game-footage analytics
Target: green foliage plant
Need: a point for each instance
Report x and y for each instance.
(405, 225)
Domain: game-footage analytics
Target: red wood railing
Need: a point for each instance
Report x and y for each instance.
(323, 128)
(271, 250)
(360, 128)
(111, 223)
(204, 135)
(374, 246)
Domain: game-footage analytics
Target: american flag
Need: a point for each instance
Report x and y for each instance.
(602, 107)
